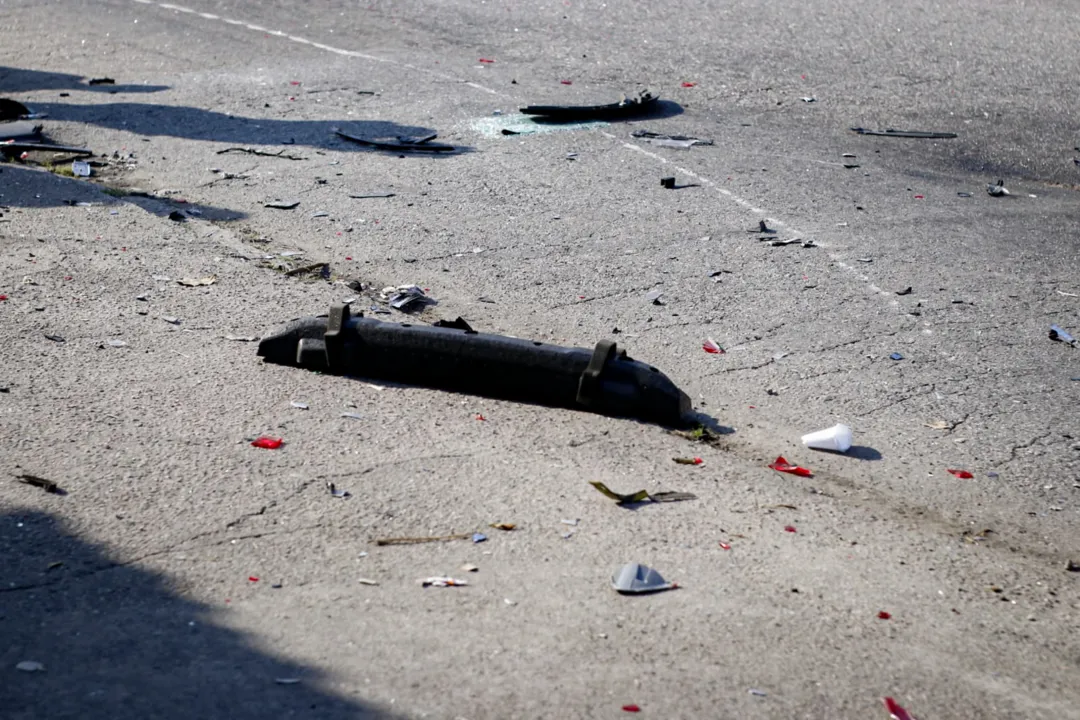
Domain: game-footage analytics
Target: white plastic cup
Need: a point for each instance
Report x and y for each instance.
(836, 438)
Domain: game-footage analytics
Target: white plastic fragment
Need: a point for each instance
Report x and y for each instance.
(367, 581)
(80, 168)
(634, 578)
(352, 415)
(117, 343)
(299, 405)
(837, 438)
(440, 581)
(30, 666)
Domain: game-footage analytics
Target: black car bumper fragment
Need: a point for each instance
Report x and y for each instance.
(604, 380)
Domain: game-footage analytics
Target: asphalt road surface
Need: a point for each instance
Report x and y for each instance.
(186, 573)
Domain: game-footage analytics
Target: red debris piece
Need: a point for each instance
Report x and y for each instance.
(3, 298)
(884, 615)
(267, 443)
(569, 82)
(252, 578)
(962, 474)
(67, 277)
(896, 711)
(698, 461)
(346, 257)
(782, 465)
(790, 528)
(486, 60)
(711, 346)
(689, 84)
(480, 417)
(919, 197)
(724, 546)
(631, 708)
(294, 82)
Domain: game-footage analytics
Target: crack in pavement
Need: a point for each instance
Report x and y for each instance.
(584, 300)
(894, 403)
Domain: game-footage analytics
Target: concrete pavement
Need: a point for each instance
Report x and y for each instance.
(171, 513)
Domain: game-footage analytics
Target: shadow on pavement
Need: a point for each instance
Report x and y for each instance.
(117, 642)
(191, 123)
(27, 187)
(14, 80)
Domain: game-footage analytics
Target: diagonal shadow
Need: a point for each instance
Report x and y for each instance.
(26, 187)
(14, 80)
(117, 642)
(192, 123)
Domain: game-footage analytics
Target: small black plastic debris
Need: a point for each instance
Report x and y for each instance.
(627, 107)
(668, 182)
(47, 485)
(55, 338)
(282, 204)
(963, 194)
(684, 142)
(808, 99)
(260, 153)
(918, 134)
(906, 291)
(896, 356)
(1060, 335)
(101, 81)
(851, 166)
(177, 216)
(792, 241)
(717, 273)
(459, 324)
(396, 146)
(486, 299)
(655, 296)
(414, 141)
(508, 131)
(368, 196)
(1072, 566)
(997, 190)
(762, 228)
